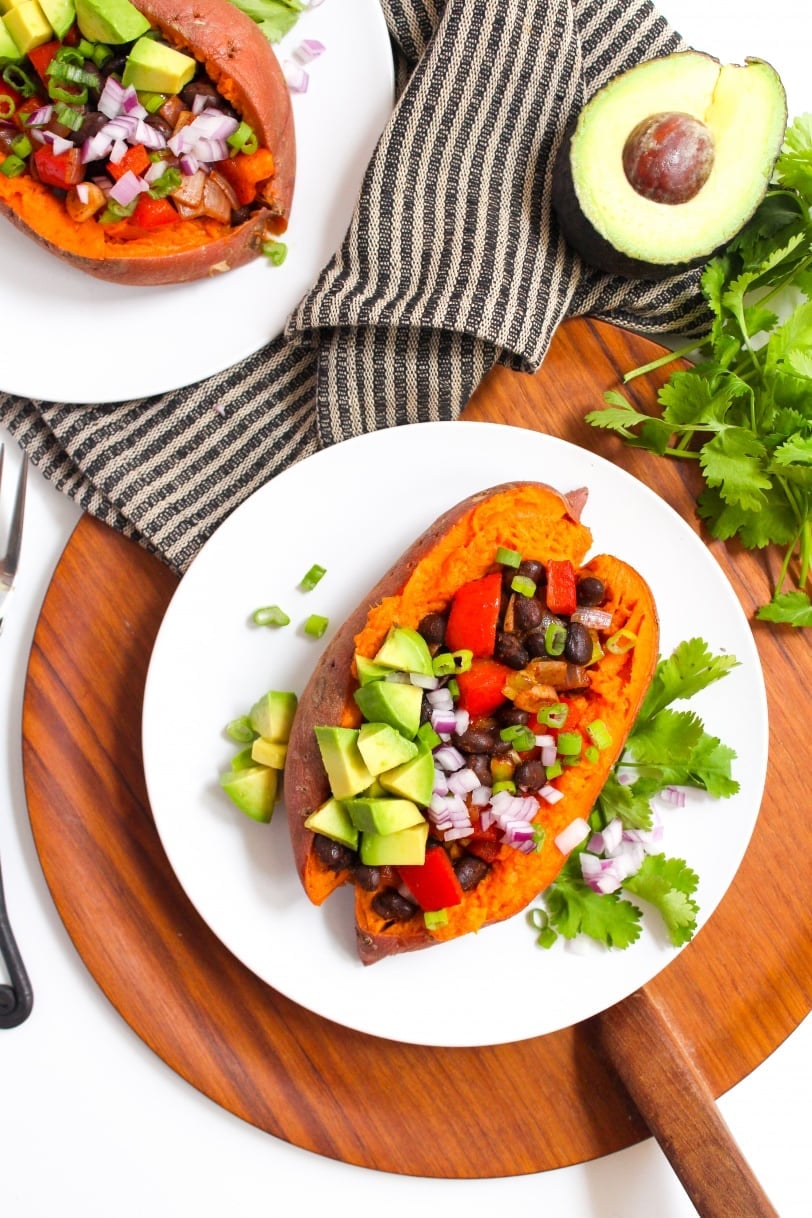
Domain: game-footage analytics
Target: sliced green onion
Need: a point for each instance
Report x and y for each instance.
(75, 94)
(539, 834)
(435, 917)
(65, 54)
(539, 921)
(243, 139)
(523, 585)
(599, 734)
(621, 641)
(427, 736)
(520, 736)
(555, 770)
(101, 53)
(244, 760)
(316, 625)
(12, 167)
(508, 558)
(555, 639)
(453, 687)
(21, 146)
(569, 744)
(312, 577)
(270, 615)
(240, 730)
(169, 180)
(554, 715)
(68, 116)
(152, 102)
(275, 251)
(505, 784)
(85, 48)
(74, 73)
(19, 80)
(449, 662)
(7, 107)
(591, 754)
(116, 211)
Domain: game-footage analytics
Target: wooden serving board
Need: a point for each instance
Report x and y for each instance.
(731, 997)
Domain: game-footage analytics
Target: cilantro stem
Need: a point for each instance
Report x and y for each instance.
(670, 357)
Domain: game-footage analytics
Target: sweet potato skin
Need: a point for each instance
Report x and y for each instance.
(457, 547)
(239, 60)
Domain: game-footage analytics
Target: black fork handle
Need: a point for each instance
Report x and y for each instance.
(16, 998)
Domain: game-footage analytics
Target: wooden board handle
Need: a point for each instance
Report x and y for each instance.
(657, 1069)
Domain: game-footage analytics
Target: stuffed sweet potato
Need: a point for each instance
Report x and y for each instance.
(537, 667)
(145, 169)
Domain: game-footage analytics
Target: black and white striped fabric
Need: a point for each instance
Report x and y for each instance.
(452, 263)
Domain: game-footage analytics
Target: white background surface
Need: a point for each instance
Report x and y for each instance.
(93, 1124)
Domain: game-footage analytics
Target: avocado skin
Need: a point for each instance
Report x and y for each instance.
(585, 239)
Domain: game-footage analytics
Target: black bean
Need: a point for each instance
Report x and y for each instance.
(578, 647)
(527, 613)
(509, 650)
(511, 716)
(590, 591)
(432, 628)
(470, 870)
(534, 643)
(531, 569)
(366, 877)
(393, 907)
(475, 740)
(334, 855)
(530, 775)
(480, 764)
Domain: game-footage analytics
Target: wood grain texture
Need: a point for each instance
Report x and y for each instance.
(731, 997)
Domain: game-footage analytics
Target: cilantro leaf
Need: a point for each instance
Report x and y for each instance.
(789, 608)
(573, 908)
(690, 668)
(275, 18)
(668, 885)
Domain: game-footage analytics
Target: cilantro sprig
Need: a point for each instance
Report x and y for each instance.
(743, 412)
(666, 747)
(274, 17)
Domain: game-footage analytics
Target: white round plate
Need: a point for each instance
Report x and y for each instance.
(354, 509)
(70, 338)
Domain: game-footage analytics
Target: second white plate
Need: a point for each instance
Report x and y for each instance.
(354, 508)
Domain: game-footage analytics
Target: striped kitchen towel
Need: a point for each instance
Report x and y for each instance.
(452, 263)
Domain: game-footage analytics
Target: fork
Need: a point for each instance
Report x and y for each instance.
(16, 998)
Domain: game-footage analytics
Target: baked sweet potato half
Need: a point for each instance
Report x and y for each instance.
(543, 662)
(149, 186)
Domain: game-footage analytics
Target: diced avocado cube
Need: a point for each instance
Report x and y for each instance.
(110, 21)
(272, 715)
(7, 5)
(28, 26)
(60, 13)
(156, 68)
(345, 767)
(383, 747)
(269, 752)
(392, 702)
(368, 670)
(333, 821)
(414, 779)
(9, 51)
(253, 790)
(407, 848)
(243, 760)
(383, 815)
(405, 650)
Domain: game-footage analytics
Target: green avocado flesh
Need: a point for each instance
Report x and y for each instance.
(617, 228)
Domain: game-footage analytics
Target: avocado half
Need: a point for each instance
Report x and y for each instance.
(667, 162)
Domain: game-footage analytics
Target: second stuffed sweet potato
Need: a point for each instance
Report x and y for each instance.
(537, 667)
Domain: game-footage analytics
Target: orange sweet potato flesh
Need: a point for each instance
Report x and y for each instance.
(239, 61)
(537, 521)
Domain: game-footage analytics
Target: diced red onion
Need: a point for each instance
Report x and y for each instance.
(612, 835)
(463, 720)
(210, 150)
(150, 137)
(441, 698)
(576, 832)
(131, 105)
(423, 681)
(155, 171)
(551, 794)
(675, 796)
(308, 50)
(440, 782)
(110, 101)
(444, 722)
(57, 142)
(295, 75)
(599, 619)
(454, 835)
(481, 796)
(188, 165)
(463, 782)
(127, 188)
(543, 742)
(212, 124)
(95, 148)
(40, 117)
(118, 151)
(548, 755)
(199, 103)
(82, 191)
(486, 819)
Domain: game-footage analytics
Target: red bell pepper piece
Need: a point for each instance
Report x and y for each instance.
(135, 158)
(42, 56)
(153, 213)
(63, 170)
(481, 687)
(485, 843)
(433, 884)
(561, 588)
(474, 614)
(29, 106)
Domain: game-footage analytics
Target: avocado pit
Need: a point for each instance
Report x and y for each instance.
(669, 157)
